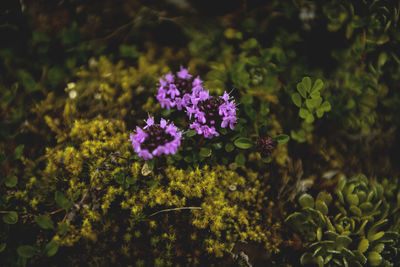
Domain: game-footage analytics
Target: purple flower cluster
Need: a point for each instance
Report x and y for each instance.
(156, 139)
(206, 112)
(210, 112)
(175, 91)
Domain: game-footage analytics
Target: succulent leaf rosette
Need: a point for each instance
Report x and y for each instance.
(176, 91)
(156, 139)
(209, 112)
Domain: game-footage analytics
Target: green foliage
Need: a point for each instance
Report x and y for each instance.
(356, 233)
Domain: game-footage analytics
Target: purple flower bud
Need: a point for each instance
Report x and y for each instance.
(156, 139)
(265, 145)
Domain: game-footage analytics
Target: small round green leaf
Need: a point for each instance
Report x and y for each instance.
(374, 258)
(296, 98)
(301, 90)
(243, 143)
(303, 113)
(229, 147)
(44, 222)
(307, 83)
(326, 106)
(306, 201)
(205, 152)
(317, 85)
(11, 181)
(363, 245)
(240, 160)
(51, 248)
(18, 151)
(10, 217)
(26, 251)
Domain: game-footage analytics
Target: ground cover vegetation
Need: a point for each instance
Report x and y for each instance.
(199, 133)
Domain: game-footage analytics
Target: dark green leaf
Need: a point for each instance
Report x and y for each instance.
(27, 80)
(11, 180)
(44, 222)
(282, 139)
(26, 251)
(63, 228)
(61, 200)
(2, 247)
(205, 152)
(10, 217)
(229, 147)
(310, 118)
(296, 98)
(51, 248)
(18, 151)
(240, 160)
(190, 133)
(243, 143)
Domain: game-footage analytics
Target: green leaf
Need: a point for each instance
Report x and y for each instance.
(11, 180)
(301, 90)
(243, 143)
(343, 241)
(321, 206)
(2, 247)
(61, 200)
(303, 113)
(316, 102)
(44, 222)
(310, 118)
(320, 112)
(307, 83)
(18, 151)
(205, 152)
(282, 139)
(128, 51)
(363, 245)
(317, 85)
(63, 228)
(374, 258)
(306, 201)
(10, 217)
(326, 106)
(315, 94)
(27, 80)
(240, 160)
(309, 104)
(229, 147)
(190, 133)
(296, 98)
(51, 248)
(266, 159)
(26, 251)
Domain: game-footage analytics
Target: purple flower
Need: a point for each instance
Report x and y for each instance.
(156, 139)
(210, 112)
(176, 91)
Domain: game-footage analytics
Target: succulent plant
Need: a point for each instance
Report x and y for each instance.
(354, 232)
